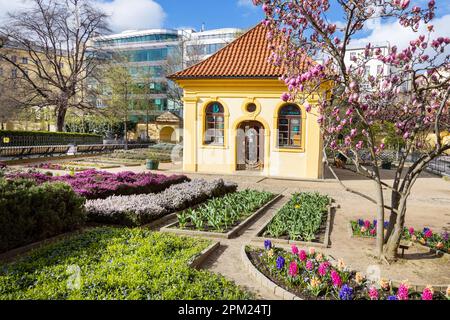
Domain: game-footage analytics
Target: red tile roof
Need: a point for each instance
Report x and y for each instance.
(246, 57)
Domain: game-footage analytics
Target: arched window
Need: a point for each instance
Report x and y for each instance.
(215, 124)
(290, 127)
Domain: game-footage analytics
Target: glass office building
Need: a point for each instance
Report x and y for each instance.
(147, 52)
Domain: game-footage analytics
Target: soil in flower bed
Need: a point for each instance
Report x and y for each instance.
(303, 218)
(223, 214)
(312, 276)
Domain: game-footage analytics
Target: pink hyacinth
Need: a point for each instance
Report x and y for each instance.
(294, 249)
(411, 231)
(302, 255)
(427, 294)
(367, 224)
(336, 279)
(403, 292)
(309, 265)
(293, 269)
(428, 234)
(373, 293)
(323, 268)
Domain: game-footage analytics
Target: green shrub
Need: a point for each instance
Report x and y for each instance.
(122, 264)
(31, 212)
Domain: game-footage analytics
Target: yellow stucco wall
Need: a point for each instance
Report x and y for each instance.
(234, 95)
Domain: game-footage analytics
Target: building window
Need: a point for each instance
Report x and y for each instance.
(14, 59)
(14, 73)
(215, 124)
(290, 127)
(24, 60)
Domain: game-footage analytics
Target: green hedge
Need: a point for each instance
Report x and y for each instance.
(30, 213)
(35, 138)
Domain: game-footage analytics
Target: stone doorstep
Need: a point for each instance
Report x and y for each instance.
(263, 281)
(170, 228)
(257, 238)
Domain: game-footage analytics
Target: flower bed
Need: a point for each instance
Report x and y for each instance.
(436, 241)
(312, 276)
(142, 209)
(115, 264)
(94, 184)
(303, 218)
(222, 214)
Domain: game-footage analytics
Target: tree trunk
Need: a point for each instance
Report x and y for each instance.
(391, 249)
(380, 219)
(147, 125)
(61, 117)
(125, 134)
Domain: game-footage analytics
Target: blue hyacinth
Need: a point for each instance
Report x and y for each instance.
(361, 222)
(375, 222)
(268, 244)
(425, 230)
(280, 263)
(392, 298)
(346, 293)
(386, 224)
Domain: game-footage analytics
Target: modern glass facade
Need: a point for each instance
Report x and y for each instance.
(146, 54)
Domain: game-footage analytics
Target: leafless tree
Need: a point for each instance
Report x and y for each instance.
(56, 37)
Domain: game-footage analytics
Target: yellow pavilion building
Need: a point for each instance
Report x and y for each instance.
(235, 120)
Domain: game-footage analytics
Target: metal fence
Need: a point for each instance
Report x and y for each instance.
(23, 152)
(12, 139)
(439, 166)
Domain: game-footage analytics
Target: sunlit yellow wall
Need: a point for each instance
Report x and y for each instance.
(234, 95)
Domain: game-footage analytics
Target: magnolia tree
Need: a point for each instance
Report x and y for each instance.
(413, 96)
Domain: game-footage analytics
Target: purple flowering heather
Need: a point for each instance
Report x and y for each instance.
(93, 184)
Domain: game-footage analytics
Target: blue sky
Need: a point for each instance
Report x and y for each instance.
(214, 13)
(147, 14)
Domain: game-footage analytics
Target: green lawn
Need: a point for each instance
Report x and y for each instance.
(115, 264)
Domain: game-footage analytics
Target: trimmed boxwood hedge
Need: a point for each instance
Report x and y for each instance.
(31, 212)
(35, 138)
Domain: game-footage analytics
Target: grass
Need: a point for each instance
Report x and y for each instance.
(122, 264)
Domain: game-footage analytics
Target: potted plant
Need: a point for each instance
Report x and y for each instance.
(152, 164)
(386, 164)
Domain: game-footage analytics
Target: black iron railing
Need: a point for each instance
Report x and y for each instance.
(22, 152)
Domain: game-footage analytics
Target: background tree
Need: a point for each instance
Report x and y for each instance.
(56, 36)
(414, 96)
(118, 89)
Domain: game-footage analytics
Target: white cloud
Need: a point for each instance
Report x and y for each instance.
(11, 6)
(246, 3)
(124, 14)
(397, 35)
(133, 14)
